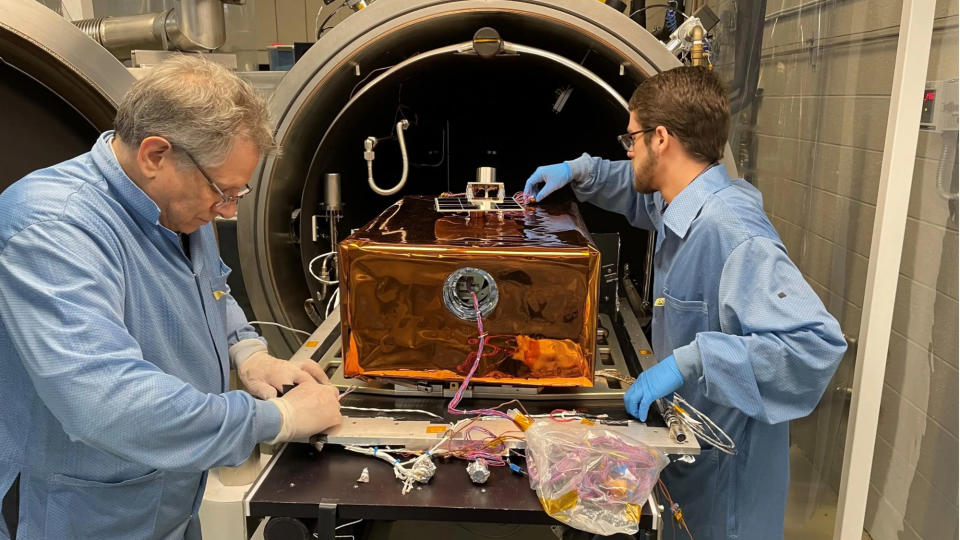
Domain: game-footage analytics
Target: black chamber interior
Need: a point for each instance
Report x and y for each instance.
(39, 128)
(466, 112)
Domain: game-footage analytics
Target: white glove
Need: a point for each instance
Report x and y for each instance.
(264, 375)
(308, 409)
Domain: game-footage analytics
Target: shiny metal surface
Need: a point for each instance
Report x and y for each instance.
(197, 25)
(509, 48)
(533, 274)
(312, 95)
(193, 25)
(120, 35)
(61, 89)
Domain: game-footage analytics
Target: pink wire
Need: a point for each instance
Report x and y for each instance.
(452, 406)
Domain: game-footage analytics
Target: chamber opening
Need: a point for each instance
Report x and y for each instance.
(464, 112)
(510, 112)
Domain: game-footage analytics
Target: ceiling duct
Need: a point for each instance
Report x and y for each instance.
(192, 25)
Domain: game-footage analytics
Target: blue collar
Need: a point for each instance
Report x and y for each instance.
(127, 193)
(687, 204)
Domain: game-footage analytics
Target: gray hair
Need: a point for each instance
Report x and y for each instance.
(197, 105)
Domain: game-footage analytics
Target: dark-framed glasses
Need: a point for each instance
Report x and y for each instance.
(224, 199)
(627, 139)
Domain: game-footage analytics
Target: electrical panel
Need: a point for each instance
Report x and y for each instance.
(940, 106)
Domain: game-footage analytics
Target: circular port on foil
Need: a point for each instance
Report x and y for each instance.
(459, 285)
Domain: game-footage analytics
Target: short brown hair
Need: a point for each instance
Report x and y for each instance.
(691, 103)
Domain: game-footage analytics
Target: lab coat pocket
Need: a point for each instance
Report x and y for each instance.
(683, 319)
(218, 291)
(79, 508)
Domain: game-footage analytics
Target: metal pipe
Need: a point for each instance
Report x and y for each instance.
(197, 25)
(331, 191)
(193, 25)
(674, 425)
(333, 204)
(696, 52)
(120, 35)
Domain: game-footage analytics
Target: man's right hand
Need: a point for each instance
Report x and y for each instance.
(547, 179)
(309, 408)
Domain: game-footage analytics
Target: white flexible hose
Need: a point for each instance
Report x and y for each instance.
(948, 156)
(368, 155)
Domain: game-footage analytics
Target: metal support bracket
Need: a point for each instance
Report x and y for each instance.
(326, 521)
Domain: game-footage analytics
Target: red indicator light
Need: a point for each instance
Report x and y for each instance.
(929, 96)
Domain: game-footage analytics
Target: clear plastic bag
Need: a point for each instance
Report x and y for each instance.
(591, 478)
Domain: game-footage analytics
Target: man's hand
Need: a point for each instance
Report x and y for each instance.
(547, 179)
(308, 409)
(659, 381)
(264, 375)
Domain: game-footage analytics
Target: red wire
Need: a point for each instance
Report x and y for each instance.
(562, 420)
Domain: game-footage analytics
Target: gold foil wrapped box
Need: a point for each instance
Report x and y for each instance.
(408, 312)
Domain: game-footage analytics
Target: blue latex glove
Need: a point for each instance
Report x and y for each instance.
(550, 177)
(659, 381)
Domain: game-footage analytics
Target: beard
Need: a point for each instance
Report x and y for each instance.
(643, 174)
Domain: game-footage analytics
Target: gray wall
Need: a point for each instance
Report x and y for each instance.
(826, 75)
(280, 21)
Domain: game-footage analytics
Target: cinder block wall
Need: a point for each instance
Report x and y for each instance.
(826, 76)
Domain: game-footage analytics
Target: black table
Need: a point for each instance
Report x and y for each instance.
(321, 488)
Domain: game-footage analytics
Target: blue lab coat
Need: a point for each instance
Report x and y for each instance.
(113, 359)
(753, 341)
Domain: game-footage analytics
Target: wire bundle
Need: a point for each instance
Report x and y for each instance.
(418, 470)
(522, 198)
(702, 426)
(452, 406)
(325, 258)
(591, 478)
(698, 423)
(674, 508)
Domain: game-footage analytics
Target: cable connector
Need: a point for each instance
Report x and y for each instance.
(522, 421)
(368, 145)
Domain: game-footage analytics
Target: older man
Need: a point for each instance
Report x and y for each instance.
(117, 328)
(738, 332)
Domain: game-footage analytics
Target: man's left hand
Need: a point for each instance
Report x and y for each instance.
(659, 381)
(264, 375)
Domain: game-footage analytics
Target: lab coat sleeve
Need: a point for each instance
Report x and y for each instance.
(62, 302)
(609, 185)
(778, 347)
(238, 328)
(242, 339)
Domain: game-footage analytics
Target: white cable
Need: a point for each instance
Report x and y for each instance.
(948, 157)
(421, 468)
(334, 302)
(368, 145)
(369, 409)
(314, 261)
(281, 326)
(347, 524)
(704, 428)
(711, 433)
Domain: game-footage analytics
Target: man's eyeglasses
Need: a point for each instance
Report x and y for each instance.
(224, 199)
(627, 139)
